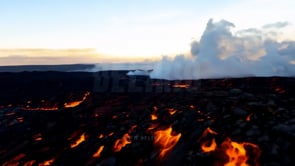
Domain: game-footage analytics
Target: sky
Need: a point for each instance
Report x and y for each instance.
(79, 31)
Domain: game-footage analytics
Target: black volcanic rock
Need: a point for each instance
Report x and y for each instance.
(256, 110)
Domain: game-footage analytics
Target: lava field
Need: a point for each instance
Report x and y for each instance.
(111, 119)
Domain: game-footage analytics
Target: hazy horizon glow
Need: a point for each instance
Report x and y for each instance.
(127, 29)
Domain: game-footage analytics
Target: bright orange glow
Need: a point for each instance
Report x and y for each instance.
(100, 136)
(76, 103)
(248, 118)
(166, 141)
(235, 152)
(98, 152)
(154, 117)
(37, 137)
(207, 132)
(48, 162)
(153, 126)
(192, 106)
(112, 133)
(79, 141)
(184, 86)
(209, 146)
(120, 143)
(171, 111)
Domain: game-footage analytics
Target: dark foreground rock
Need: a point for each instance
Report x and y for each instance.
(95, 119)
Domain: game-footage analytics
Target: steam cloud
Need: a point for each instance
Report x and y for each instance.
(222, 53)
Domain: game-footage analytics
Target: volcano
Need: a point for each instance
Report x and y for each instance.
(110, 118)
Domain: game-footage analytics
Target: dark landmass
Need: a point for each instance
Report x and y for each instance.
(61, 68)
(108, 118)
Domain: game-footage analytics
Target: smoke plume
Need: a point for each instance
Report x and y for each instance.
(222, 53)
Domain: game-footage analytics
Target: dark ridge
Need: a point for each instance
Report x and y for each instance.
(64, 68)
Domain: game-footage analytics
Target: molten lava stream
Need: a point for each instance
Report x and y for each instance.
(172, 111)
(79, 141)
(76, 103)
(236, 152)
(47, 162)
(166, 141)
(154, 117)
(120, 143)
(184, 86)
(98, 152)
(209, 146)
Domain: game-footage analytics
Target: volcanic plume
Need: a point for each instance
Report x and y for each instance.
(222, 52)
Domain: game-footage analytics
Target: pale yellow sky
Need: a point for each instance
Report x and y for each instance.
(92, 31)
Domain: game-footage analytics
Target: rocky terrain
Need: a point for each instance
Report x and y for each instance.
(108, 118)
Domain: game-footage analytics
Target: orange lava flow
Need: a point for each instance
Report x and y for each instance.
(206, 132)
(248, 118)
(185, 86)
(98, 152)
(166, 141)
(15, 160)
(48, 162)
(120, 143)
(100, 136)
(76, 103)
(236, 152)
(154, 117)
(209, 146)
(153, 126)
(79, 141)
(172, 111)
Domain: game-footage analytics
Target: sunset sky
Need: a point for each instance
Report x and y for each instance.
(86, 31)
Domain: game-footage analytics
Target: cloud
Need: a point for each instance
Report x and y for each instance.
(222, 53)
(48, 56)
(276, 25)
(39, 52)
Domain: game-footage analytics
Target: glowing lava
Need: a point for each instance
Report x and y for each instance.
(166, 141)
(98, 152)
(79, 141)
(171, 111)
(209, 146)
(120, 143)
(236, 152)
(76, 103)
(184, 86)
(154, 117)
(48, 162)
(248, 118)
(100, 136)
